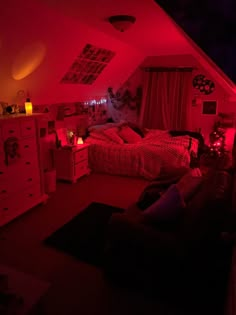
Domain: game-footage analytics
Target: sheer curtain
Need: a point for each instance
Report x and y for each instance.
(166, 98)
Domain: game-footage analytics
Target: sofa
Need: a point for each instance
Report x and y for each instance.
(183, 251)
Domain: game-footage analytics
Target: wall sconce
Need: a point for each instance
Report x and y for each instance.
(28, 107)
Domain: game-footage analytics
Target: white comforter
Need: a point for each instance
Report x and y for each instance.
(149, 158)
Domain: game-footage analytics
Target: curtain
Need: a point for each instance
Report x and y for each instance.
(166, 99)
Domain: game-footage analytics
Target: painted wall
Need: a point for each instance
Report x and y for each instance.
(198, 120)
(36, 37)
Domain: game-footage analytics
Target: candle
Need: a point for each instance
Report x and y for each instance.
(28, 107)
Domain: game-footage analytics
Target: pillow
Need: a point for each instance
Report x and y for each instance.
(155, 189)
(194, 146)
(112, 134)
(167, 208)
(140, 131)
(205, 214)
(189, 183)
(103, 126)
(128, 135)
(99, 136)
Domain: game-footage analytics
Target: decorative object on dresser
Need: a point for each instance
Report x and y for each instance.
(71, 162)
(21, 184)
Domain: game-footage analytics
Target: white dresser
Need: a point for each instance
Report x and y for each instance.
(21, 177)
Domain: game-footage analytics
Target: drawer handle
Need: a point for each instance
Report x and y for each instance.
(30, 179)
(3, 191)
(28, 128)
(26, 146)
(1, 173)
(27, 163)
(5, 208)
(31, 195)
(11, 131)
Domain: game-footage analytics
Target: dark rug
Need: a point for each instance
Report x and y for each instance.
(84, 237)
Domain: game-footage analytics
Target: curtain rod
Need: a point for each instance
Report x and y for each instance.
(166, 69)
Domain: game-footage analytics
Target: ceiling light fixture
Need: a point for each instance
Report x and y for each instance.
(122, 22)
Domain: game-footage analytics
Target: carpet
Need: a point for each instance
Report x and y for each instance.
(84, 236)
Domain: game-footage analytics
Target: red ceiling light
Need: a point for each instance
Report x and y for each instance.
(122, 22)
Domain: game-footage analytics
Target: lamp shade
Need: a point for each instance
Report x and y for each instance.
(122, 22)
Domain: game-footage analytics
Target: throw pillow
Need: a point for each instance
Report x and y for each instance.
(99, 136)
(189, 183)
(156, 188)
(167, 208)
(128, 135)
(136, 128)
(112, 134)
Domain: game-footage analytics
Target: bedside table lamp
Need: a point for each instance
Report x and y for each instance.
(28, 107)
(80, 140)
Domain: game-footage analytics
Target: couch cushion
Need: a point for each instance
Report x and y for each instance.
(167, 208)
(153, 191)
(205, 213)
(189, 183)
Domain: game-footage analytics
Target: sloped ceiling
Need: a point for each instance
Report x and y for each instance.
(211, 25)
(40, 39)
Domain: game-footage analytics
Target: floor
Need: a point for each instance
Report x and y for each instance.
(76, 288)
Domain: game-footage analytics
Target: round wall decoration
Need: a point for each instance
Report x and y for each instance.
(203, 84)
(208, 86)
(198, 80)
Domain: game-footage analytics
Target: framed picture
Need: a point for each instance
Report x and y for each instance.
(209, 107)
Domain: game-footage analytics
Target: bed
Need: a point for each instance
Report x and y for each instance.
(121, 149)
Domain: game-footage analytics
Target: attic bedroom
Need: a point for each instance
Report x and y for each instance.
(117, 158)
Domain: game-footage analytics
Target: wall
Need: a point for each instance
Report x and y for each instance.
(37, 38)
(198, 120)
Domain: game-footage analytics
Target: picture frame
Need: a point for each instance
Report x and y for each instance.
(209, 107)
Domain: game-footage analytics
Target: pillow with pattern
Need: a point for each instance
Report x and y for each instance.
(112, 134)
(128, 135)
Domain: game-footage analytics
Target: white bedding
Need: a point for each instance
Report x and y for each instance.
(153, 156)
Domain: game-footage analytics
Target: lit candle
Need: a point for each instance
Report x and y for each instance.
(28, 107)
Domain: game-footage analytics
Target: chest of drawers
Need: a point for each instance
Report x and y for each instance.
(21, 184)
(71, 163)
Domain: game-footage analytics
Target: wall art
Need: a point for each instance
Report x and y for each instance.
(204, 85)
(123, 98)
(209, 107)
(88, 65)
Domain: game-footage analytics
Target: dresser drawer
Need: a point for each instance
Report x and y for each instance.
(27, 128)
(8, 209)
(4, 190)
(80, 155)
(2, 160)
(28, 147)
(1, 146)
(29, 195)
(81, 169)
(3, 173)
(25, 180)
(10, 129)
(29, 161)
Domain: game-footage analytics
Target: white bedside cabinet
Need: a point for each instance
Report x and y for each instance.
(71, 163)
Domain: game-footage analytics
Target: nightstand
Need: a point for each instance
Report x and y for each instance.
(71, 162)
